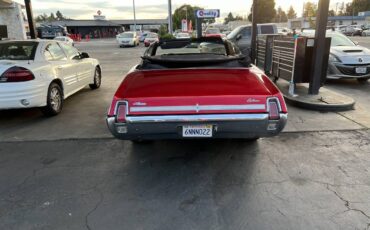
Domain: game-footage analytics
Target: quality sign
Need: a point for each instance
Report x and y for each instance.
(208, 13)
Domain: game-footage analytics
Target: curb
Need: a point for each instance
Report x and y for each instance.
(320, 107)
(326, 101)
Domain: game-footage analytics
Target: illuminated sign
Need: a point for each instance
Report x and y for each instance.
(208, 13)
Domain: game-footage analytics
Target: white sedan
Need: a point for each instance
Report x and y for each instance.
(42, 73)
(65, 39)
(128, 39)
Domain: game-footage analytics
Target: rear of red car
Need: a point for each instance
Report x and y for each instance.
(196, 103)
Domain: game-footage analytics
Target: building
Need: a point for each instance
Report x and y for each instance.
(13, 24)
(106, 28)
(142, 24)
(362, 18)
(93, 28)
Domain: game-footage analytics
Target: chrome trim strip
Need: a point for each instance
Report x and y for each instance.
(196, 108)
(197, 118)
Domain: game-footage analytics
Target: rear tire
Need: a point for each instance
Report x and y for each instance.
(54, 103)
(97, 79)
(362, 80)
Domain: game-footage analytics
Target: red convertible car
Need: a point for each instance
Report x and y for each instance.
(199, 88)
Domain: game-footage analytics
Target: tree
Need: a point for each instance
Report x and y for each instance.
(281, 15)
(231, 18)
(46, 18)
(342, 9)
(59, 16)
(265, 11)
(180, 13)
(291, 13)
(52, 17)
(42, 18)
(310, 10)
(331, 13)
(356, 6)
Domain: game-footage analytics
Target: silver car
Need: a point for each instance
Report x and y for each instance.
(347, 59)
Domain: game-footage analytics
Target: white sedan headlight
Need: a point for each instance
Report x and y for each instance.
(333, 58)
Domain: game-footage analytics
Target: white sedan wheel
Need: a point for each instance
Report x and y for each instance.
(54, 103)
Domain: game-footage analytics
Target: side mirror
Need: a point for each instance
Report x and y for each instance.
(84, 55)
(356, 43)
(238, 37)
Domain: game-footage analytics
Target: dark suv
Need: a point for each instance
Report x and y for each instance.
(242, 35)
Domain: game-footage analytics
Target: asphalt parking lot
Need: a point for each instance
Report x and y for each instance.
(67, 172)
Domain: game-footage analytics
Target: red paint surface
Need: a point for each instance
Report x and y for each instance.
(197, 86)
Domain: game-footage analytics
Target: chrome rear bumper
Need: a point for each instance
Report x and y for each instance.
(170, 127)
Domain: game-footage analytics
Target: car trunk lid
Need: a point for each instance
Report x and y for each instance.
(195, 91)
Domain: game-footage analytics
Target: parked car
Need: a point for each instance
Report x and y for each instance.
(284, 31)
(366, 30)
(43, 73)
(182, 36)
(213, 32)
(65, 39)
(242, 35)
(347, 59)
(180, 90)
(351, 30)
(128, 39)
(150, 38)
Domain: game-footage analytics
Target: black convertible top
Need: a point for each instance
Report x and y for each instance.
(187, 53)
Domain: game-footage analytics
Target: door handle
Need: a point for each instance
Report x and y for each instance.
(60, 67)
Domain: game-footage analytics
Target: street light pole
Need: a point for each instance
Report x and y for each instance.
(254, 31)
(170, 29)
(133, 2)
(31, 23)
(186, 15)
(319, 47)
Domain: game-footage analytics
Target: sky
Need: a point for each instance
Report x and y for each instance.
(150, 9)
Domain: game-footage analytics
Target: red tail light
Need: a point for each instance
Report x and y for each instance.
(273, 106)
(17, 74)
(121, 113)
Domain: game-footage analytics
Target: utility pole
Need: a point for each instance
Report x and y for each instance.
(170, 29)
(186, 15)
(353, 14)
(31, 22)
(254, 31)
(319, 47)
(133, 3)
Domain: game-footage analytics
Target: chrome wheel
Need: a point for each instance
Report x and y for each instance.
(97, 78)
(55, 99)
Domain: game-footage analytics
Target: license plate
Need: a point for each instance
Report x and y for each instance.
(197, 131)
(361, 70)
